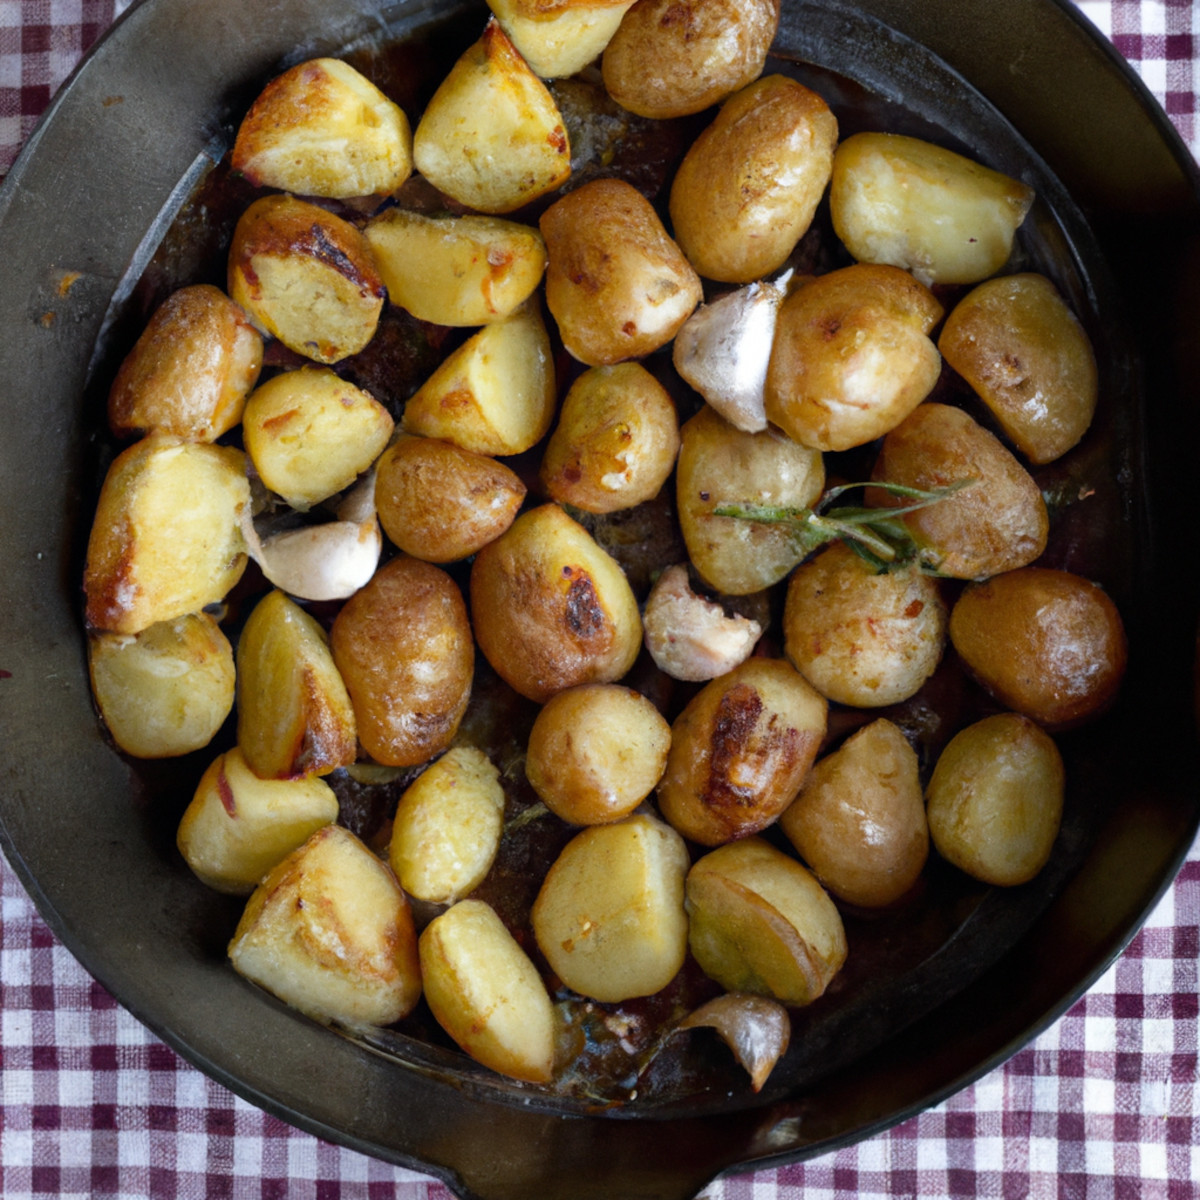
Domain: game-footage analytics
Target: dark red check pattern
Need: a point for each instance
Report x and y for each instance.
(1103, 1106)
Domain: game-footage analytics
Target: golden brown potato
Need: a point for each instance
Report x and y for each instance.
(190, 371)
(166, 539)
(1047, 643)
(740, 751)
(859, 821)
(669, 58)
(1015, 341)
(447, 827)
(330, 932)
(495, 394)
(759, 922)
(456, 270)
(551, 608)
(721, 465)
(294, 714)
(441, 503)
(403, 645)
(485, 992)
(595, 752)
(995, 799)
(862, 636)
(166, 690)
(615, 442)
(323, 129)
(904, 201)
(238, 827)
(306, 277)
(997, 523)
(492, 137)
(310, 434)
(609, 916)
(559, 37)
(747, 190)
(852, 357)
(616, 283)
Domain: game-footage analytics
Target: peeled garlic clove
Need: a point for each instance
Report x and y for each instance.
(724, 347)
(755, 1028)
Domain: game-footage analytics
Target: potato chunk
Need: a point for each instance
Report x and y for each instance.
(559, 37)
(190, 371)
(609, 916)
(323, 129)
(310, 434)
(403, 645)
(456, 270)
(294, 714)
(166, 690)
(166, 539)
(238, 827)
(551, 608)
(759, 922)
(900, 200)
(330, 932)
(740, 751)
(747, 189)
(485, 992)
(306, 277)
(492, 137)
(616, 283)
(447, 827)
(1015, 341)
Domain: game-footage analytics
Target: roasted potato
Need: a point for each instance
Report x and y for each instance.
(323, 129)
(403, 646)
(166, 690)
(495, 394)
(442, 503)
(900, 200)
(616, 283)
(852, 356)
(551, 608)
(609, 915)
(330, 932)
(1015, 341)
(310, 434)
(740, 751)
(456, 270)
(595, 752)
(485, 992)
(238, 827)
(491, 137)
(669, 58)
(1047, 643)
(559, 37)
(306, 277)
(721, 465)
(294, 714)
(747, 189)
(447, 827)
(615, 442)
(759, 922)
(995, 799)
(166, 539)
(995, 523)
(861, 636)
(859, 821)
(190, 371)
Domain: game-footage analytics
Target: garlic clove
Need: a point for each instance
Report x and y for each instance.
(755, 1028)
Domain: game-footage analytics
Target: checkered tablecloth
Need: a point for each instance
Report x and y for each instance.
(1103, 1106)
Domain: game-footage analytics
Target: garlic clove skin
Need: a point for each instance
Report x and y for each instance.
(756, 1028)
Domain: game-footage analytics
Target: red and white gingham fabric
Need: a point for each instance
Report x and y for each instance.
(1103, 1106)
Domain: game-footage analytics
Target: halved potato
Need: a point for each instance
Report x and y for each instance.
(559, 37)
(166, 539)
(495, 394)
(492, 137)
(323, 129)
